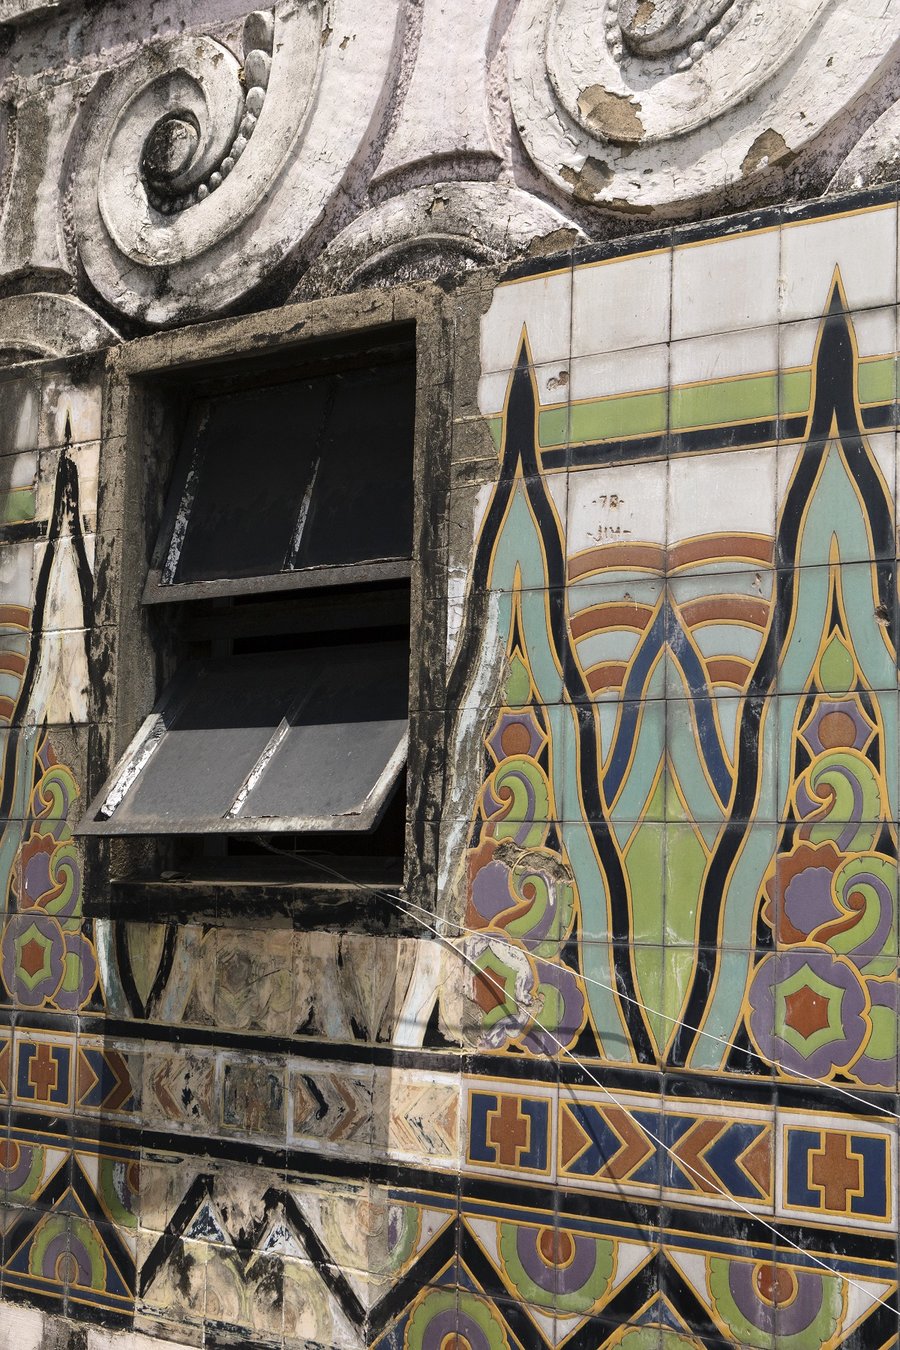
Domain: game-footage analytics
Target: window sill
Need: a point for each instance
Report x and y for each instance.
(222, 894)
(299, 579)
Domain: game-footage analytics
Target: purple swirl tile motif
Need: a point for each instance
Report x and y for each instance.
(447, 1317)
(826, 1000)
(47, 956)
(757, 1301)
(554, 1267)
(521, 897)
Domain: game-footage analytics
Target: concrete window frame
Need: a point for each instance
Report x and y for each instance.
(131, 657)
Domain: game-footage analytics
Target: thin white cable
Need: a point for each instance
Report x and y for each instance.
(408, 907)
(611, 989)
(731, 1199)
(677, 1021)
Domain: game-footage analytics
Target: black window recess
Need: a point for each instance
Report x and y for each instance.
(301, 485)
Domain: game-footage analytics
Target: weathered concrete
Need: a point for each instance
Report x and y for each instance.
(246, 1114)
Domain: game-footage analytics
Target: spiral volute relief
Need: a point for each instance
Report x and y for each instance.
(679, 29)
(188, 153)
(202, 167)
(645, 103)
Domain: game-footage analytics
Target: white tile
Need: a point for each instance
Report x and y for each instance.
(621, 303)
(492, 392)
(543, 305)
(751, 351)
(64, 607)
(87, 463)
(724, 493)
(875, 330)
(62, 688)
(19, 415)
(863, 245)
(16, 569)
(87, 460)
(722, 284)
(623, 372)
(64, 404)
(618, 504)
(125, 1340)
(20, 470)
(456, 608)
(552, 382)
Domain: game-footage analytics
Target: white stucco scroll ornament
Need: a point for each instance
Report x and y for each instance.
(431, 230)
(14, 11)
(201, 170)
(40, 324)
(642, 104)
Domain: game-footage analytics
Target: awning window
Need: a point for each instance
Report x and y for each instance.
(306, 740)
(279, 481)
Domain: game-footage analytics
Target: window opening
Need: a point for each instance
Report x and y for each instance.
(284, 557)
(276, 482)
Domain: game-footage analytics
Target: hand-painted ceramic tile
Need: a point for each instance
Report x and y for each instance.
(621, 304)
(719, 285)
(542, 303)
(70, 410)
(728, 773)
(862, 245)
(633, 1080)
(20, 403)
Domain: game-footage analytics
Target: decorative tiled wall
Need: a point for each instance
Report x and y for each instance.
(641, 1089)
(680, 872)
(69, 1182)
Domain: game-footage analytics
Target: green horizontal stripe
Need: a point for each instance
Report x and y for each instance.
(702, 405)
(17, 506)
(553, 426)
(877, 380)
(630, 415)
(796, 391)
(495, 425)
(750, 399)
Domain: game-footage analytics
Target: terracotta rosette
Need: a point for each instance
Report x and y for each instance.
(808, 1011)
(33, 958)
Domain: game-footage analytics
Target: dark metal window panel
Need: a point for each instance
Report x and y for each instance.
(361, 501)
(299, 477)
(310, 739)
(313, 578)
